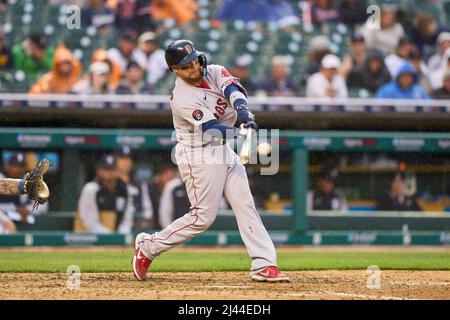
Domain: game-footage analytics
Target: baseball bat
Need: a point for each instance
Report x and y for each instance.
(246, 148)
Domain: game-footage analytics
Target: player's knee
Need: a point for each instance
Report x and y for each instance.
(204, 220)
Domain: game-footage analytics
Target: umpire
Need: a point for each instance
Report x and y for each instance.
(104, 205)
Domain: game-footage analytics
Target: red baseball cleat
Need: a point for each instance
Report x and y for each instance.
(140, 262)
(270, 274)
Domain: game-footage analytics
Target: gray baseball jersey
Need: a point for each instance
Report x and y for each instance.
(219, 172)
(194, 106)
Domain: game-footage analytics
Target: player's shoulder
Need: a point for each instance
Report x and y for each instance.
(216, 69)
(179, 93)
(182, 95)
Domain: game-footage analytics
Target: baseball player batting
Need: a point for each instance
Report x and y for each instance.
(206, 102)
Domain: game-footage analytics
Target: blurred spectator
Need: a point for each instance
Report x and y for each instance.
(385, 39)
(324, 11)
(396, 200)
(33, 56)
(423, 80)
(246, 11)
(279, 11)
(174, 202)
(4, 5)
(98, 14)
(404, 86)
(7, 226)
(424, 33)
(279, 83)
(104, 205)
(442, 44)
(433, 7)
(97, 81)
(437, 76)
(138, 191)
(126, 50)
(241, 70)
(133, 82)
(353, 12)
(357, 58)
(444, 92)
(182, 11)
(164, 174)
(396, 60)
(101, 55)
(79, 3)
(319, 47)
(64, 74)
(327, 196)
(18, 208)
(372, 75)
(327, 83)
(134, 15)
(151, 57)
(6, 59)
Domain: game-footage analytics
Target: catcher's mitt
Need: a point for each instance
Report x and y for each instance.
(35, 187)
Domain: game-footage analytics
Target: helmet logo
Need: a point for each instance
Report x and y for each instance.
(188, 48)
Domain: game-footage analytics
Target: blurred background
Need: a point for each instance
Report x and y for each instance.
(361, 98)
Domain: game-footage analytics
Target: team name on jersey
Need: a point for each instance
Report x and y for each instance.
(220, 108)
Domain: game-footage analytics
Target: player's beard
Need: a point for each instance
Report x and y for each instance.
(194, 78)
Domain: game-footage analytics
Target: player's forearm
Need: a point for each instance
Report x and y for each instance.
(11, 187)
(238, 99)
(220, 131)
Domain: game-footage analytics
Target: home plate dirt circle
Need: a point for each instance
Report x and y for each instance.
(323, 284)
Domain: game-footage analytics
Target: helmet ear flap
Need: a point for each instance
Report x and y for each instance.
(202, 60)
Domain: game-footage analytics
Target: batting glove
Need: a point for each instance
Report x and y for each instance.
(244, 114)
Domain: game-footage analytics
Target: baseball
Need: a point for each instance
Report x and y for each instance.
(264, 149)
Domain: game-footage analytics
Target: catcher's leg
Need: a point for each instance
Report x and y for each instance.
(12, 187)
(33, 184)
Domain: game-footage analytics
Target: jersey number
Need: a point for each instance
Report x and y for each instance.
(220, 108)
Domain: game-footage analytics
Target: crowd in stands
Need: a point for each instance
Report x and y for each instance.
(408, 57)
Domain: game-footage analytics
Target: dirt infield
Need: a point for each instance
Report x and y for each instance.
(326, 284)
(329, 284)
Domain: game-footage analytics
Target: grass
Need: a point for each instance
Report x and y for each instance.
(215, 260)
